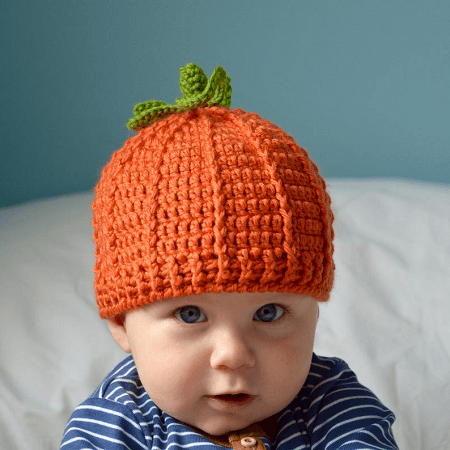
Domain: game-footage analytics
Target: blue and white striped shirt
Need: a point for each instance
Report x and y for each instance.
(332, 411)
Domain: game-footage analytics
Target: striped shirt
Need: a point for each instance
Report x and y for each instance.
(331, 411)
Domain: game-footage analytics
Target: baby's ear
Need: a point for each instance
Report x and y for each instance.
(117, 328)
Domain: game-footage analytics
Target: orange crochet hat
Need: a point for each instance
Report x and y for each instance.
(208, 199)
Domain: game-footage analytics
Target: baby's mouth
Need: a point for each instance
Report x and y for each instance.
(233, 398)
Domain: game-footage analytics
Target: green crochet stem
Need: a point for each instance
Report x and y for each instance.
(198, 91)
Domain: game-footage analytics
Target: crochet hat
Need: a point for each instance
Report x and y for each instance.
(208, 199)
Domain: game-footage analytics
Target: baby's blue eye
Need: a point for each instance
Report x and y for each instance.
(190, 314)
(269, 313)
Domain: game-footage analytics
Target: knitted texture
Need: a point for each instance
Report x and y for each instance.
(210, 200)
(197, 90)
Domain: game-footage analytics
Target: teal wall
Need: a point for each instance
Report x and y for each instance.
(363, 85)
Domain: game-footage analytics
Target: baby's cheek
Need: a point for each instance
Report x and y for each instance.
(288, 364)
(161, 388)
(172, 380)
(175, 392)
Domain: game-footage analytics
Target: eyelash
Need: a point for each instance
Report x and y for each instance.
(286, 311)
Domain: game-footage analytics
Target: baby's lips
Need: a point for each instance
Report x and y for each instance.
(241, 396)
(231, 401)
(231, 394)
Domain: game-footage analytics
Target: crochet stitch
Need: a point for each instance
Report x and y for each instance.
(209, 200)
(197, 91)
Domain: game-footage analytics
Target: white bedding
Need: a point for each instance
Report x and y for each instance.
(388, 316)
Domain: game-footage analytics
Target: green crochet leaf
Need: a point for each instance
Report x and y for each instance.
(198, 91)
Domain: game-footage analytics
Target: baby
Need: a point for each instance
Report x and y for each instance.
(214, 248)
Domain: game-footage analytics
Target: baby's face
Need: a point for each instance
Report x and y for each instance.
(190, 351)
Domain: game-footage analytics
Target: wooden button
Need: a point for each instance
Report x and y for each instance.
(248, 442)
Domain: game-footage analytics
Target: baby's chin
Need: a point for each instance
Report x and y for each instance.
(219, 429)
(222, 426)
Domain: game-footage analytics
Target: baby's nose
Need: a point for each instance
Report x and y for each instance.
(232, 351)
